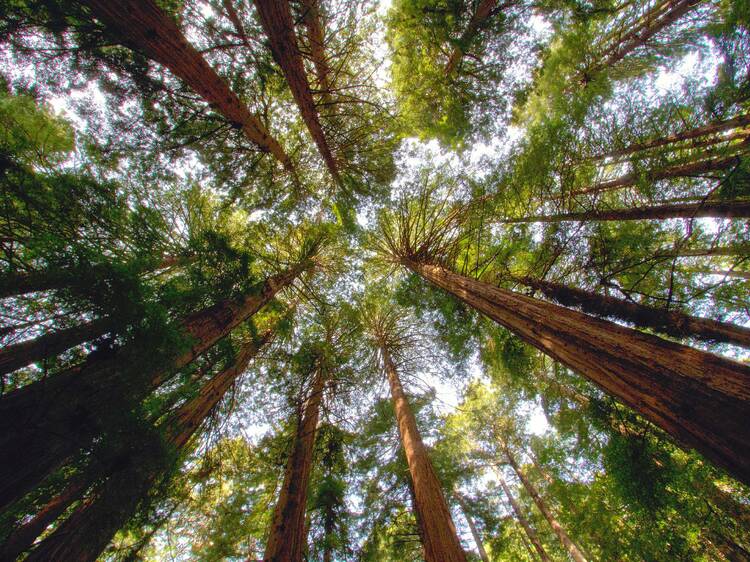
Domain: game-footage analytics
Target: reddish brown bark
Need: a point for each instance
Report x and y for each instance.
(311, 17)
(670, 172)
(24, 353)
(49, 420)
(567, 542)
(718, 209)
(278, 24)
(288, 539)
(700, 399)
(668, 322)
(528, 529)
(143, 26)
(22, 537)
(665, 15)
(441, 542)
(710, 130)
(91, 526)
(484, 10)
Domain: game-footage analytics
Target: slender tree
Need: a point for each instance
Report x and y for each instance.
(143, 26)
(528, 529)
(476, 535)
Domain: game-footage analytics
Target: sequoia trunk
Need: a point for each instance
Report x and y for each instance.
(287, 540)
(528, 529)
(143, 26)
(47, 421)
(720, 209)
(441, 542)
(673, 323)
(49, 345)
(472, 527)
(483, 11)
(700, 399)
(570, 546)
(278, 24)
(91, 526)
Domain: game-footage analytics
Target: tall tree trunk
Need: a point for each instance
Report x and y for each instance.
(483, 11)
(23, 536)
(719, 209)
(711, 130)
(316, 40)
(528, 529)
(700, 399)
(568, 544)
(472, 527)
(287, 540)
(673, 323)
(441, 542)
(45, 422)
(689, 169)
(143, 26)
(91, 526)
(51, 344)
(641, 34)
(278, 24)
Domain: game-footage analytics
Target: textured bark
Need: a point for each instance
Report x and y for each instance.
(278, 24)
(483, 11)
(22, 537)
(441, 542)
(287, 540)
(472, 527)
(91, 526)
(24, 353)
(670, 172)
(568, 544)
(528, 529)
(316, 41)
(673, 323)
(700, 399)
(143, 26)
(719, 209)
(49, 420)
(665, 15)
(710, 130)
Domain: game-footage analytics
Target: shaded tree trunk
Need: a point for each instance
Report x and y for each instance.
(673, 323)
(709, 130)
(700, 399)
(670, 172)
(528, 529)
(143, 26)
(278, 24)
(45, 422)
(316, 40)
(441, 542)
(288, 537)
(568, 544)
(51, 344)
(719, 209)
(22, 537)
(91, 526)
(483, 12)
(472, 527)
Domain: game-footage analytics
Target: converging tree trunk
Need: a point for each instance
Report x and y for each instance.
(278, 24)
(441, 542)
(528, 529)
(568, 544)
(483, 12)
(700, 399)
(472, 527)
(143, 26)
(673, 323)
(52, 344)
(718, 209)
(711, 130)
(288, 537)
(45, 422)
(89, 529)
